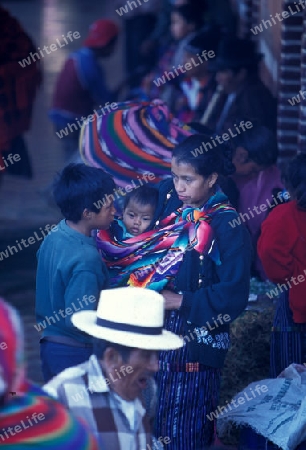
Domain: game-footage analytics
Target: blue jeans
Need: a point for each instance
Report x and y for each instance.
(57, 357)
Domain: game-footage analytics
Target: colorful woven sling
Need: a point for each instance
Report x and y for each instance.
(152, 259)
(29, 419)
(135, 139)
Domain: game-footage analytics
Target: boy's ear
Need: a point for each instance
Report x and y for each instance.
(87, 214)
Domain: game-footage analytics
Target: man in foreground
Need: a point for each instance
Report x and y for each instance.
(108, 390)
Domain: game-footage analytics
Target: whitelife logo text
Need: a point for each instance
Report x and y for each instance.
(53, 47)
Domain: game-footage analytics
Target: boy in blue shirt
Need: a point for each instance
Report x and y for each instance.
(70, 272)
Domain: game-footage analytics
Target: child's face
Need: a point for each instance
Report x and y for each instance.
(179, 27)
(137, 217)
(102, 219)
(245, 167)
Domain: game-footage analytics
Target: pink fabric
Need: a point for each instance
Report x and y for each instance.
(254, 193)
(12, 364)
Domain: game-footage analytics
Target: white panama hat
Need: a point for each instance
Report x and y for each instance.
(129, 316)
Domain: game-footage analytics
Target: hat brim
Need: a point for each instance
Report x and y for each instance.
(86, 321)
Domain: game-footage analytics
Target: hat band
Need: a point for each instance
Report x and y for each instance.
(130, 328)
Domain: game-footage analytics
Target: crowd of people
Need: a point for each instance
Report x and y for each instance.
(178, 203)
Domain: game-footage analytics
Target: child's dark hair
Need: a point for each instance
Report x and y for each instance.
(78, 187)
(216, 159)
(259, 142)
(143, 195)
(190, 14)
(295, 179)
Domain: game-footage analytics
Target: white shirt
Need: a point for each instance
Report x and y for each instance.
(191, 90)
(128, 409)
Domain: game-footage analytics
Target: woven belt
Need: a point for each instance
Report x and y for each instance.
(65, 341)
(187, 367)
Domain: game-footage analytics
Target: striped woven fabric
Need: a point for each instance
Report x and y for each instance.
(152, 259)
(29, 419)
(134, 139)
(188, 393)
(287, 338)
(35, 420)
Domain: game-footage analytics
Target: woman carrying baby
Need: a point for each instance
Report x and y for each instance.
(209, 291)
(201, 265)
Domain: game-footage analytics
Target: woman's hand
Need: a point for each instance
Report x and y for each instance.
(172, 300)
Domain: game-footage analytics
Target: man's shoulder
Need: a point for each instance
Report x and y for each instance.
(70, 242)
(55, 235)
(71, 374)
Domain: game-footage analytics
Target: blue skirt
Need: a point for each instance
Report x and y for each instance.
(188, 393)
(287, 338)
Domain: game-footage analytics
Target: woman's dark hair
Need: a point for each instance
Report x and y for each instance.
(294, 177)
(100, 345)
(259, 142)
(143, 195)
(205, 155)
(78, 187)
(190, 12)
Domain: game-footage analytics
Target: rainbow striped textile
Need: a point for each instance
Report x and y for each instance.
(135, 139)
